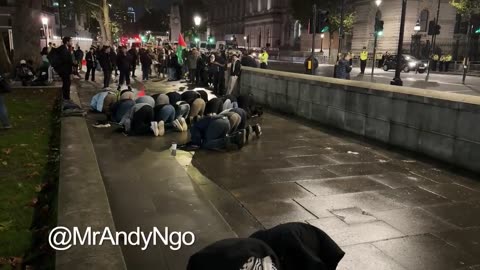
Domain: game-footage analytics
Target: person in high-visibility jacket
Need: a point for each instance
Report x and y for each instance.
(442, 62)
(263, 58)
(435, 59)
(448, 59)
(363, 60)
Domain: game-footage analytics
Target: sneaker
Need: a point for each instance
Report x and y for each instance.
(258, 130)
(154, 127)
(177, 125)
(161, 128)
(183, 123)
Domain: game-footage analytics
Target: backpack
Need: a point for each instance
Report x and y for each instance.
(55, 58)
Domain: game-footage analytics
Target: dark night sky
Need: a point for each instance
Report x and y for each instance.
(163, 4)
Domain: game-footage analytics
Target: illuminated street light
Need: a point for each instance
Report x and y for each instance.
(245, 37)
(378, 2)
(44, 20)
(197, 20)
(417, 26)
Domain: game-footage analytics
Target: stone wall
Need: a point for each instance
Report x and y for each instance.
(438, 124)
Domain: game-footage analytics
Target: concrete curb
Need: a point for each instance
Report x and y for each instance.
(82, 199)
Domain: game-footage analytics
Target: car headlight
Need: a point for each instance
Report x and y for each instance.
(412, 64)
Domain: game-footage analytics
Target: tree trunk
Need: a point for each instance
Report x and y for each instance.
(26, 31)
(5, 64)
(106, 23)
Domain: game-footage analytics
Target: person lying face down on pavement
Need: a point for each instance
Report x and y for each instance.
(301, 246)
(235, 254)
(290, 246)
(165, 117)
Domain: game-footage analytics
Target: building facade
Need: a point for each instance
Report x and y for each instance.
(255, 23)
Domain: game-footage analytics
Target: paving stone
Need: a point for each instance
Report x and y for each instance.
(356, 169)
(366, 257)
(413, 196)
(437, 175)
(462, 214)
(341, 185)
(344, 234)
(356, 157)
(399, 180)
(353, 215)
(297, 173)
(453, 192)
(271, 213)
(411, 221)
(314, 160)
(270, 192)
(425, 252)
(467, 240)
(371, 201)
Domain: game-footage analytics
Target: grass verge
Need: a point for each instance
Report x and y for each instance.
(28, 178)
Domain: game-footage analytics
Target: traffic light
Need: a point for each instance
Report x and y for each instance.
(321, 25)
(211, 40)
(378, 27)
(433, 28)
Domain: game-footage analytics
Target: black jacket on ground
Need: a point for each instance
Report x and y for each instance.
(124, 62)
(230, 254)
(174, 97)
(301, 246)
(66, 61)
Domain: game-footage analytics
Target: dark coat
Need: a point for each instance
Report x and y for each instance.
(105, 61)
(236, 68)
(343, 69)
(91, 59)
(248, 61)
(113, 58)
(301, 246)
(124, 61)
(145, 59)
(66, 61)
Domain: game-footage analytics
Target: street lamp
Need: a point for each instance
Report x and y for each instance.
(45, 29)
(321, 42)
(417, 26)
(375, 36)
(197, 20)
(397, 80)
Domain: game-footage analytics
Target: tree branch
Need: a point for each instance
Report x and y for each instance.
(93, 4)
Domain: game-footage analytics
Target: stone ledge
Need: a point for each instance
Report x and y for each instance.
(372, 86)
(82, 199)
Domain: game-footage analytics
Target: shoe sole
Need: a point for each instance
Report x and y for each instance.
(161, 128)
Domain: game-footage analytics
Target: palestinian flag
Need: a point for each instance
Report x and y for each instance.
(180, 47)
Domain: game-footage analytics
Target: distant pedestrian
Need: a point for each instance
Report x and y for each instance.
(79, 57)
(219, 80)
(343, 68)
(134, 55)
(442, 62)
(91, 59)
(113, 60)
(192, 59)
(448, 59)
(249, 61)
(263, 57)
(363, 60)
(435, 59)
(311, 66)
(124, 65)
(235, 71)
(146, 63)
(106, 64)
(61, 60)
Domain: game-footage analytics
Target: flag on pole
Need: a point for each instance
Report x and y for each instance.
(181, 46)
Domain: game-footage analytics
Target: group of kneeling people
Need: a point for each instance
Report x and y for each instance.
(215, 123)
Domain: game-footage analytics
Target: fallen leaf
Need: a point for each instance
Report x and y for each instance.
(4, 163)
(5, 225)
(38, 188)
(33, 174)
(33, 202)
(7, 151)
(23, 145)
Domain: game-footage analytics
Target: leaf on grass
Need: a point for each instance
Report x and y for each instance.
(23, 145)
(33, 202)
(5, 225)
(7, 151)
(30, 165)
(33, 174)
(4, 163)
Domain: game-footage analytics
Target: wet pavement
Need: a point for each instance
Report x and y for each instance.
(387, 208)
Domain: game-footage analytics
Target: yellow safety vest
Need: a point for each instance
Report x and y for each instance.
(448, 58)
(442, 58)
(435, 57)
(364, 55)
(263, 57)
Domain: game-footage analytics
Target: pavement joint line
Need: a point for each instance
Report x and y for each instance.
(300, 185)
(299, 204)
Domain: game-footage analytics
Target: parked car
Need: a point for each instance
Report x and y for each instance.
(409, 63)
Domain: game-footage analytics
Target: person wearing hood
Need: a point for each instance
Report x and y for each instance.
(343, 68)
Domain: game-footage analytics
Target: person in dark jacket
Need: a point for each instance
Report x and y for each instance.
(91, 59)
(343, 68)
(113, 60)
(134, 55)
(124, 64)
(301, 246)
(219, 79)
(79, 57)
(249, 61)
(146, 62)
(106, 64)
(64, 68)
(235, 254)
(235, 70)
